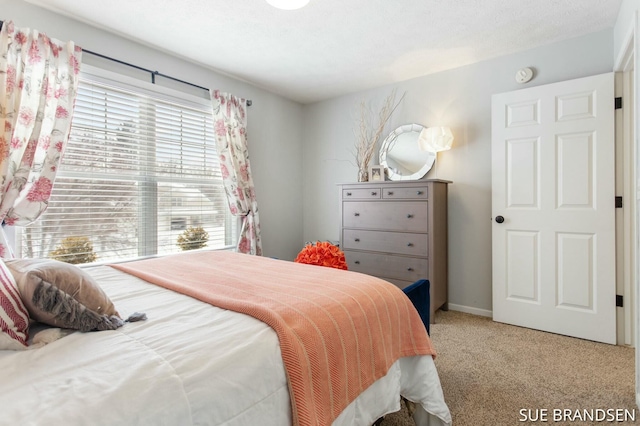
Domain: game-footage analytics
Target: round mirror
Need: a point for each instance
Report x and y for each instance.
(402, 158)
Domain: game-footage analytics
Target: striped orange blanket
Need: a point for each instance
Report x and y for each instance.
(339, 331)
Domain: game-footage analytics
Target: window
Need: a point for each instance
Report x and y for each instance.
(139, 162)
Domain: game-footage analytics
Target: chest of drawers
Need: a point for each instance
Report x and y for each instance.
(397, 231)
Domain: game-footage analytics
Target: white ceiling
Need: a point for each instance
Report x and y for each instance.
(334, 47)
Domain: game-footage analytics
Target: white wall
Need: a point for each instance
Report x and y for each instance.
(274, 123)
(624, 27)
(461, 99)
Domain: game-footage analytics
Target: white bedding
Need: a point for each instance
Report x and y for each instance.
(188, 364)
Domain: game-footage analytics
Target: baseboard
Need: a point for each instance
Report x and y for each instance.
(470, 310)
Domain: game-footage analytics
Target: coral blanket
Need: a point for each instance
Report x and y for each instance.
(339, 331)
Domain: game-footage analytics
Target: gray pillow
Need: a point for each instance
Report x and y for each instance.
(63, 295)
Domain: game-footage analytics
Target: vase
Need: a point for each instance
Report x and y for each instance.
(363, 175)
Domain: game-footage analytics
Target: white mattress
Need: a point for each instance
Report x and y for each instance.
(189, 363)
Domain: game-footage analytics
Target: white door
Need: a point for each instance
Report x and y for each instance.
(553, 207)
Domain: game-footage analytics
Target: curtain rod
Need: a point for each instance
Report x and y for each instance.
(153, 73)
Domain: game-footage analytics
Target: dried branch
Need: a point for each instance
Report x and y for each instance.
(369, 133)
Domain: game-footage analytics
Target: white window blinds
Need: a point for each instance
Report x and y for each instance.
(140, 171)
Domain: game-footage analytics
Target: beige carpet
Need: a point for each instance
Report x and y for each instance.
(490, 371)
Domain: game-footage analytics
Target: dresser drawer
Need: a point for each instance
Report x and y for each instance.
(404, 193)
(408, 216)
(389, 242)
(387, 266)
(361, 194)
(401, 284)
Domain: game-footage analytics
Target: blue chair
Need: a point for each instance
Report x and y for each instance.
(418, 293)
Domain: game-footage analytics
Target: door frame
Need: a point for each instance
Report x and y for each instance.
(626, 186)
(628, 64)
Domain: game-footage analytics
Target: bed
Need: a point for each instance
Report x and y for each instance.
(188, 363)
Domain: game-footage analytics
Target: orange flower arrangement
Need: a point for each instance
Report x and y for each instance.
(322, 254)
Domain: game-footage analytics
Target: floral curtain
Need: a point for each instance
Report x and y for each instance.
(38, 83)
(230, 121)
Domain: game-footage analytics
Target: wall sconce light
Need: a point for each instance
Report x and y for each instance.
(288, 4)
(435, 139)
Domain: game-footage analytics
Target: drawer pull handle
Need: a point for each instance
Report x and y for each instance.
(420, 192)
(410, 245)
(348, 194)
(357, 240)
(410, 269)
(390, 193)
(374, 193)
(357, 262)
(409, 216)
(356, 214)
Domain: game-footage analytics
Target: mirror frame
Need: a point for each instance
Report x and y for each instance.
(387, 144)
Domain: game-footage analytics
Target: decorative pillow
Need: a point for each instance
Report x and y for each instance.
(323, 253)
(63, 295)
(14, 318)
